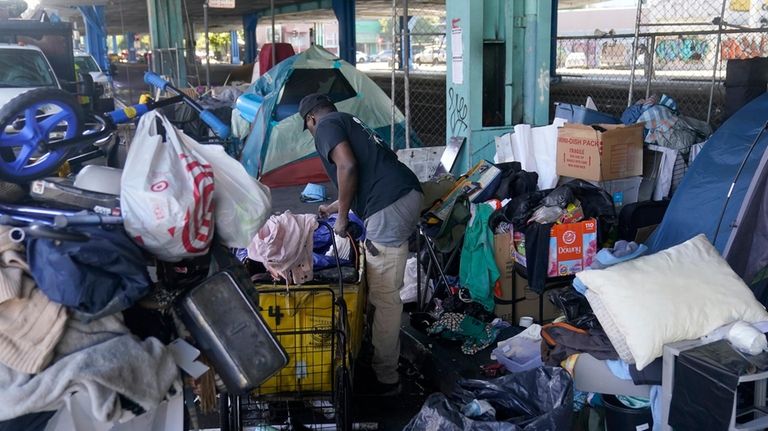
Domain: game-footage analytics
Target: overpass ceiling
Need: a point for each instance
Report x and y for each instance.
(131, 15)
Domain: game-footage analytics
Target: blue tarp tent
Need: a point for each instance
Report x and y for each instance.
(735, 220)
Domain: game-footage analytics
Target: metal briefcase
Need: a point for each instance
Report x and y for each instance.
(227, 327)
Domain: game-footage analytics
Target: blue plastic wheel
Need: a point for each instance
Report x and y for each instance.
(28, 124)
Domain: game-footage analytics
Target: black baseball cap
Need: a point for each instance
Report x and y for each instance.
(310, 102)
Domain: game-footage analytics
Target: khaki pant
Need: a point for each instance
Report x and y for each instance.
(385, 278)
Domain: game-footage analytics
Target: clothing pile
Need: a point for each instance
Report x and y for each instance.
(62, 331)
(296, 249)
(674, 138)
(98, 284)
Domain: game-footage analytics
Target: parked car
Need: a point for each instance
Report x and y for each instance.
(23, 68)
(361, 57)
(84, 62)
(430, 56)
(383, 56)
(576, 60)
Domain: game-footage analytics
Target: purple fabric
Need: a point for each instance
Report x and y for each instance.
(322, 237)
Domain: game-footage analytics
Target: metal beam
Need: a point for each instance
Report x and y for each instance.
(308, 6)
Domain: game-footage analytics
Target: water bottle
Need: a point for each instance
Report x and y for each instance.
(618, 201)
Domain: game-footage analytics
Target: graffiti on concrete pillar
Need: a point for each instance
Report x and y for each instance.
(457, 112)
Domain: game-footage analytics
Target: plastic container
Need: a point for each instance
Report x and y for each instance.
(582, 115)
(248, 104)
(226, 326)
(519, 354)
(629, 188)
(619, 417)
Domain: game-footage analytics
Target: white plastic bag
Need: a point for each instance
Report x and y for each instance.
(243, 204)
(167, 191)
(746, 338)
(535, 148)
(410, 290)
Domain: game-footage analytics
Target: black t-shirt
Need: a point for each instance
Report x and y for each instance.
(381, 178)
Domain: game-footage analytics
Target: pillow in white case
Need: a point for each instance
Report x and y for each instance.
(681, 293)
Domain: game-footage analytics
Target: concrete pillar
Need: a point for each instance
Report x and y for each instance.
(345, 15)
(167, 33)
(525, 29)
(553, 48)
(234, 48)
(538, 43)
(114, 43)
(130, 41)
(251, 44)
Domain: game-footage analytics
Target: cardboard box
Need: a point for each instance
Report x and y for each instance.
(529, 304)
(572, 247)
(606, 153)
(505, 261)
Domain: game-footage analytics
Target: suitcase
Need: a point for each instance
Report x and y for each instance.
(226, 326)
(637, 221)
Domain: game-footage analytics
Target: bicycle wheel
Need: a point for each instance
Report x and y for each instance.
(28, 124)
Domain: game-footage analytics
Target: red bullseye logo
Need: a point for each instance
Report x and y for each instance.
(569, 237)
(159, 186)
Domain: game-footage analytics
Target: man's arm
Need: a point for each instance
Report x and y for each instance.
(326, 210)
(346, 177)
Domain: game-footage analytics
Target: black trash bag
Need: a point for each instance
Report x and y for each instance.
(575, 307)
(596, 203)
(517, 211)
(560, 197)
(534, 400)
(515, 181)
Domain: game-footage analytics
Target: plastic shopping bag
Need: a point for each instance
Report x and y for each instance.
(167, 191)
(243, 204)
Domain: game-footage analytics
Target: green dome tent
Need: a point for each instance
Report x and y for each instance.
(278, 150)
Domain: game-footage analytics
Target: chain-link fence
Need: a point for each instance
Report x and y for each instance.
(682, 49)
(167, 63)
(414, 30)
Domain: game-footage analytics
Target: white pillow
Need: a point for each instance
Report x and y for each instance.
(681, 293)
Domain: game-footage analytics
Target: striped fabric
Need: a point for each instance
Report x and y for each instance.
(659, 119)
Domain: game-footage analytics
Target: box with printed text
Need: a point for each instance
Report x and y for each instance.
(601, 152)
(572, 247)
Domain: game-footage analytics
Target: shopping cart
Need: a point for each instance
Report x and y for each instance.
(321, 328)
